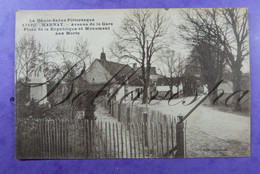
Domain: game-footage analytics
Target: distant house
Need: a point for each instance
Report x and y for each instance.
(153, 74)
(192, 85)
(162, 86)
(227, 87)
(160, 83)
(101, 71)
(245, 81)
(227, 84)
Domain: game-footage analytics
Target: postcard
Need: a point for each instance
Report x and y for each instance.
(132, 83)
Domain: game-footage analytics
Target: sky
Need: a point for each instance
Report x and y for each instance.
(97, 39)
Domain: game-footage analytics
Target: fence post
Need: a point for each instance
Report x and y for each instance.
(119, 111)
(128, 120)
(109, 105)
(112, 108)
(180, 138)
(145, 119)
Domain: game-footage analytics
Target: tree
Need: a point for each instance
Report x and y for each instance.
(140, 36)
(78, 54)
(73, 64)
(27, 51)
(228, 29)
(82, 50)
(211, 61)
(236, 49)
(173, 68)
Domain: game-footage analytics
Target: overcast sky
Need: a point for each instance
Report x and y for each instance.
(97, 39)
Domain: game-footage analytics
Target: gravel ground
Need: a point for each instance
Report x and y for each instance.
(210, 132)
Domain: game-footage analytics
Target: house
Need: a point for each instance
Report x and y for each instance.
(153, 74)
(227, 87)
(227, 84)
(192, 85)
(163, 87)
(186, 86)
(129, 80)
(101, 71)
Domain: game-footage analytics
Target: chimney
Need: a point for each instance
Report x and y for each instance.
(103, 55)
(135, 66)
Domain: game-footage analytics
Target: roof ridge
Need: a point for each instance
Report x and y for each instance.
(113, 62)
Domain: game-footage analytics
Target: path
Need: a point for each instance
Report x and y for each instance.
(103, 116)
(211, 132)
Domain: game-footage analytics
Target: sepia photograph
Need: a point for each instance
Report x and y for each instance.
(132, 83)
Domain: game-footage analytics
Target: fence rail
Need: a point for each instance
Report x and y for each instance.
(82, 139)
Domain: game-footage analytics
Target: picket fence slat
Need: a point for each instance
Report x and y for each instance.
(161, 137)
(134, 134)
(167, 138)
(106, 139)
(143, 143)
(122, 143)
(93, 131)
(130, 140)
(117, 142)
(157, 140)
(114, 141)
(126, 140)
(138, 140)
(172, 135)
(152, 142)
(110, 142)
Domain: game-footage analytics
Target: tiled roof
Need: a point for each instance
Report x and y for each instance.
(126, 71)
(165, 81)
(152, 71)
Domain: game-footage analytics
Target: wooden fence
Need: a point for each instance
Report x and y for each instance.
(83, 139)
(127, 112)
